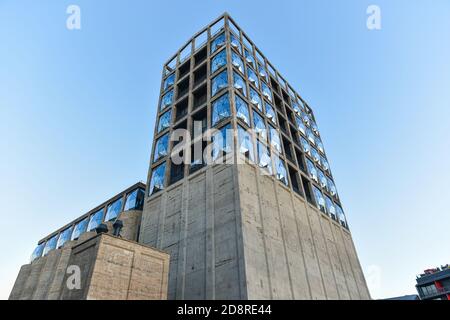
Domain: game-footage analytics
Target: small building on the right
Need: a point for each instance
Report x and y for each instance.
(434, 284)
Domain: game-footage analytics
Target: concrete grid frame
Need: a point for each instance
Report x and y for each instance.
(324, 248)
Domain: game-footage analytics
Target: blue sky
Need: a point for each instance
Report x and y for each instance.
(77, 110)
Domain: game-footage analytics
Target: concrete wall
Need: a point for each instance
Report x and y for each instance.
(233, 233)
(197, 222)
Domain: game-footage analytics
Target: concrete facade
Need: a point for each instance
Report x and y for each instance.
(111, 268)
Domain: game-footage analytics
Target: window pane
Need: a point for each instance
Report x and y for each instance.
(266, 91)
(235, 43)
(270, 113)
(166, 100)
(242, 110)
(135, 200)
(341, 216)
(314, 127)
(50, 245)
(217, 43)
(319, 145)
(80, 228)
(113, 210)
(275, 140)
(281, 172)
(263, 72)
(169, 81)
(305, 119)
(64, 237)
(218, 61)
(219, 82)
(220, 109)
(324, 164)
(305, 145)
(331, 187)
(260, 126)
(312, 170)
(157, 179)
(255, 99)
(310, 136)
(322, 179)
(161, 147)
(315, 155)
(37, 252)
(164, 121)
(95, 220)
(252, 77)
(320, 201)
(330, 207)
(296, 108)
(300, 125)
(264, 160)
(239, 83)
(249, 58)
(245, 143)
(221, 142)
(237, 62)
(217, 27)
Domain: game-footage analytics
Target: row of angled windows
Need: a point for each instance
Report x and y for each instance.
(134, 201)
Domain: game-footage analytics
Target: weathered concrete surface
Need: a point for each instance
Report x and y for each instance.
(233, 233)
(111, 268)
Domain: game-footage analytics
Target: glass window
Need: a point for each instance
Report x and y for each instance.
(161, 147)
(255, 99)
(50, 245)
(247, 43)
(235, 43)
(218, 61)
(237, 61)
(219, 83)
(252, 77)
(320, 201)
(314, 127)
(324, 164)
(300, 125)
(37, 252)
(270, 113)
(305, 119)
(305, 145)
(319, 145)
(221, 141)
(217, 27)
(330, 207)
(64, 237)
(266, 91)
(239, 83)
(312, 171)
(264, 160)
(296, 108)
(315, 155)
(157, 179)
(310, 136)
(186, 52)
(80, 228)
(242, 110)
(113, 210)
(341, 216)
(169, 81)
(275, 140)
(245, 143)
(217, 43)
(135, 200)
(95, 220)
(331, 187)
(260, 126)
(249, 57)
(166, 100)
(164, 121)
(281, 172)
(263, 72)
(322, 179)
(200, 40)
(220, 109)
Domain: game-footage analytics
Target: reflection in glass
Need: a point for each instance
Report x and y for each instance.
(164, 121)
(95, 220)
(135, 200)
(157, 179)
(64, 237)
(242, 110)
(218, 61)
(220, 109)
(80, 228)
(219, 82)
(113, 210)
(50, 245)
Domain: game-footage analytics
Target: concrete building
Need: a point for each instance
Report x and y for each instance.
(264, 219)
(434, 284)
(109, 267)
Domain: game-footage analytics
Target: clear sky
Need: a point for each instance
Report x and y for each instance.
(77, 110)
